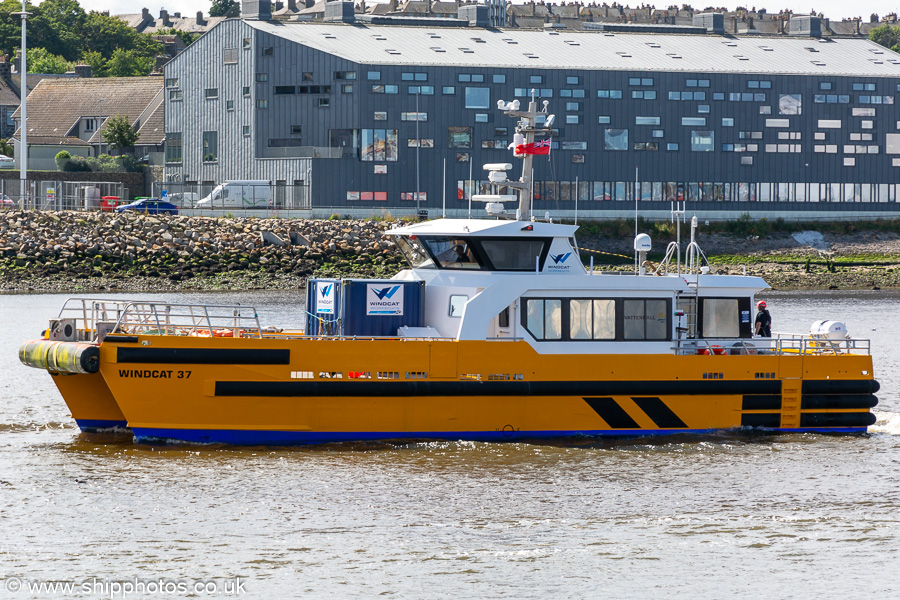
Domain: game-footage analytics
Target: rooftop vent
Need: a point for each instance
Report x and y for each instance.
(530, 55)
(467, 51)
(392, 51)
(340, 12)
(714, 22)
(806, 26)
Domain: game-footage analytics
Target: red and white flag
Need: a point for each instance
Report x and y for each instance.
(541, 147)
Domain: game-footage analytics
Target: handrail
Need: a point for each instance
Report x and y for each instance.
(781, 345)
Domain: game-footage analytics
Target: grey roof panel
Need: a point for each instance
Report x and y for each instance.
(583, 50)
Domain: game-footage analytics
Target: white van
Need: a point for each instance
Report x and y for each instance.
(249, 193)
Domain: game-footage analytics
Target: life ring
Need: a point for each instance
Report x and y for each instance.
(715, 349)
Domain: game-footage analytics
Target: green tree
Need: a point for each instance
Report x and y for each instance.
(225, 8)
(96, 61)
(887, 36)
(6, 148)
(41, 61)
(118, 132)
(57, 27)
(129, 63)
(105, 35)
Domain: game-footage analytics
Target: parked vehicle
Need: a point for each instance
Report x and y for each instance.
(7, 162)
(6, 203)
(109, 203)
(249, 193)
(184, 199)
(150, 206)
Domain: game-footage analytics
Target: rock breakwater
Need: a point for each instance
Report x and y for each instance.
(73, 251)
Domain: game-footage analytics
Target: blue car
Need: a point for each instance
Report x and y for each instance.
(150, 206)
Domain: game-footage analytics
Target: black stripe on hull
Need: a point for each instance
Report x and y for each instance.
(331, 389)
(838, 401)
(660, 413)
(840, 386)
(203, 356)
(610, 411)
(761, 402)
(853, 419)
(770, 420)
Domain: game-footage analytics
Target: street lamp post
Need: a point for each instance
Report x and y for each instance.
(418, 144)
(23, 93)
(100, 131)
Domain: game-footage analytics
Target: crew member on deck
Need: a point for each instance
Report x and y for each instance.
(460, 253)
(763, 320)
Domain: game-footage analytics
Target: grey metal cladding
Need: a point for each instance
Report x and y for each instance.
(586, 50)
(203, 68)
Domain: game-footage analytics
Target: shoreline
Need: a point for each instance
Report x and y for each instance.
(72, 252)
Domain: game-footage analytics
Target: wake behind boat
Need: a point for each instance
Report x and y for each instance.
(496, 332)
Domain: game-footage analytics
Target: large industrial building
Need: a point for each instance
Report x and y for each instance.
(355, 117)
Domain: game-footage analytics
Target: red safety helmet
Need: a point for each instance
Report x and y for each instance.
(761, 304)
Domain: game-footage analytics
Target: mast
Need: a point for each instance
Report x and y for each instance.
(526, 129)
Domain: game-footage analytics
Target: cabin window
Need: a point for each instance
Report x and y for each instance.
(645, 320)
(457, 304)
(414, 252)
(720, 317)
(503, 318)
(592, 319)
(513, 255)
(543, 318)
(725, 318)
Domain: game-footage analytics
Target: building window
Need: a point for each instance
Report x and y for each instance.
(173, 147)
(175, 95)
(413, 116)
(230, 56)
(246, 91)
(296, 129)
(211, 93)
(246, 131)
(825, 85)
(693, 121)
(324, 102)
(703, 109)
(765, 110)
(424, 90)
(573, 106)
(778, 123)
(672, 146)
(210, 146)
(499, 79)
(860, 87)
(615, 139)
(640, 81)
(789, 104)
(603, 119)
(347, 88)
(829, 124)
(246, 43)
(378, 145)
(262, 103)
(536, 79)
(702, 141)
(657, 133)
(229, 105)
(262, 77)
(646, 120)
(448, 90)
(573, 119)
(727, 122)
(282, 90)
(849, 161)
(478, 97)
(571, 145)
(373, 75)
(611, 94)
(345, 75)
(481, 117)
(172, 82)
(747, 160)
(573, 80)
(380, 115)
(643, 94)
(459, 137)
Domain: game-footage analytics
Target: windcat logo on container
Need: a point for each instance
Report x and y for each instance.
(559, 262)
(325, 297)
(384, 300)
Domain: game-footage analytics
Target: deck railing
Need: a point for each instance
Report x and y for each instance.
(782, 344)
(94, 318)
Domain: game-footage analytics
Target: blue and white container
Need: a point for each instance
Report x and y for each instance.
(378, 307)
(323, 306)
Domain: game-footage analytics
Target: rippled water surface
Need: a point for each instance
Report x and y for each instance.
(790, 516)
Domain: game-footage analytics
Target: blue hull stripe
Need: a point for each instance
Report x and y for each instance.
(97, 424)
(278, 438)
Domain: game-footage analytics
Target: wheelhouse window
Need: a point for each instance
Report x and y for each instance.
(513, 255)
(458, 252)
(720, 317)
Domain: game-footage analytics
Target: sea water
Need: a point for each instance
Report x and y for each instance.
(720, 516)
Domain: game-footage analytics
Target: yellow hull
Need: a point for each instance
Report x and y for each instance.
(259, 391)
(91, 403)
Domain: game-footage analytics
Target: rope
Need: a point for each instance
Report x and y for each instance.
(606, 253)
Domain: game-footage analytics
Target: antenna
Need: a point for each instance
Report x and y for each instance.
(576, 199)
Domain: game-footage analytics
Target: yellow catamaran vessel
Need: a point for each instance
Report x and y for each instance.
(496, 332)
